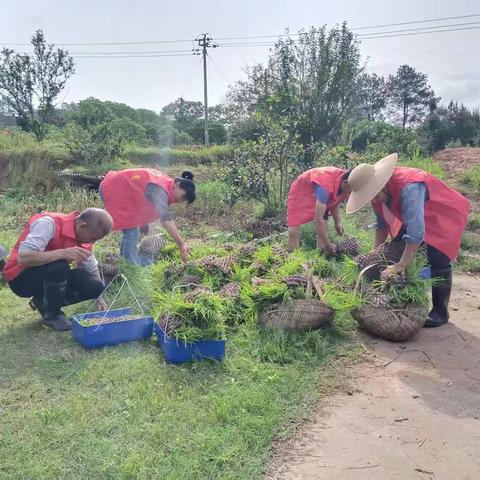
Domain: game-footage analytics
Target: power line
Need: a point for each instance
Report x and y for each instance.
(250, 36)
(364, 35)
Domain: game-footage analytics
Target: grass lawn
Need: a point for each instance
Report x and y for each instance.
(121, 412)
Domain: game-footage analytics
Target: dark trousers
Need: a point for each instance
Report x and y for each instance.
(81, 285)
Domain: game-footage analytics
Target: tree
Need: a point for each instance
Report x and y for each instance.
(410, 96)
(309, 82)
(372, 96)
(31, 84)
(182, 113)
(454, 123)
(263, 169)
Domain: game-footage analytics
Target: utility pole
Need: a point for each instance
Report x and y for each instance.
(204, 42)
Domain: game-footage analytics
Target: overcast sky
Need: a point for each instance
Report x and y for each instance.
(450, 59)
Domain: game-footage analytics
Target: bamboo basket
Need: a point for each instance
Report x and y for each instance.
(397, 323)
(300, 315)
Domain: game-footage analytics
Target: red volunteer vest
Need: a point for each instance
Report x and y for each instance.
(64, 238)
(302, 199)
(124, 196)
(446, 210)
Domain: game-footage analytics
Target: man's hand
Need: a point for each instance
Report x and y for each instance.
(144, 230)
(101, 305)
(339, 228)
(184, 253)
(330, 248)
(75, 254)
(394, 269)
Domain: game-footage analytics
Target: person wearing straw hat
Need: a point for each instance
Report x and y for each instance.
(39, 265)
(314, 195)
(415, 206)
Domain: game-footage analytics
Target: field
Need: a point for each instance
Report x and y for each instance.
(122, 412)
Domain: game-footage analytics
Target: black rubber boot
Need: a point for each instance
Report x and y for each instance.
(53, 300)
(440, 298)
(36, 304)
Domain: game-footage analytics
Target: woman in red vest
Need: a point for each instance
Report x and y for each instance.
(312, 196)
(415, 206)
(139, 196)
(39, 264)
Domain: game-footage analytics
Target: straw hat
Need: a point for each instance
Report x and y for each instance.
(366, 181)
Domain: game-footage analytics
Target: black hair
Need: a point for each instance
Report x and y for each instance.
(187, 185)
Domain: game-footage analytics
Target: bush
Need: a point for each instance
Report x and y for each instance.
(263, 170)
(188, 156)
(471, 177)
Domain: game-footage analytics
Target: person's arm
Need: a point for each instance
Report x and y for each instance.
(31, 251)
(159, 197)
(172, 230)
(322, 231)
(322, 198)
(336, 219)
(381, 230)
(91, 266)
(412, 199)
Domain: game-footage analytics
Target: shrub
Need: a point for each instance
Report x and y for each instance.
(471, 177)
(263, 170)
(188, 156)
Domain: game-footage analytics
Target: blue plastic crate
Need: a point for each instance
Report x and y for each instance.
(176, 351)
(114, 333)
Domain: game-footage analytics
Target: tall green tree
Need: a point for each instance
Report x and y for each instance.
(372, 96)
(410, 96)
(183, 113)
(454, 123)
(310, 82)
(30, 84)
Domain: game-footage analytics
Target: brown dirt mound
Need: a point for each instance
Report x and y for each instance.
(457, 160)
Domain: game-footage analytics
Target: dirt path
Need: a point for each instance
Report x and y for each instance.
(414, 413)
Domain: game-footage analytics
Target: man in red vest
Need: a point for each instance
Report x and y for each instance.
(312, 196)
(139, 196)
(39, 265)
(415, 206)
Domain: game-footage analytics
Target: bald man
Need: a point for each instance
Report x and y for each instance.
(53, 263)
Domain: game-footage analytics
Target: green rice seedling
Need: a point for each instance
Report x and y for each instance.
(294, 264)
(340, 300)
(325, 267)
(169, 251)
(264, 256)
(205, 318)
(411, 292)
(199, 251)
(348, 272)
(241, 275)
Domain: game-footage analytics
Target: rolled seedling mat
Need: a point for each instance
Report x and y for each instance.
(383, 256)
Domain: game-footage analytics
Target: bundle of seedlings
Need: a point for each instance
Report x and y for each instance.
(386, 254)
(348, 246)
(301, 314)
(108, 267)
(394, 308)
(151, 245)
(266, 227)
(187, 321)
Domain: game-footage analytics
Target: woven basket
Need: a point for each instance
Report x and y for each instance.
(301, 315)
(395, 324)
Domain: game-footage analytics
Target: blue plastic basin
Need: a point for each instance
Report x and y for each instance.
(114, 333)
(176, 351)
